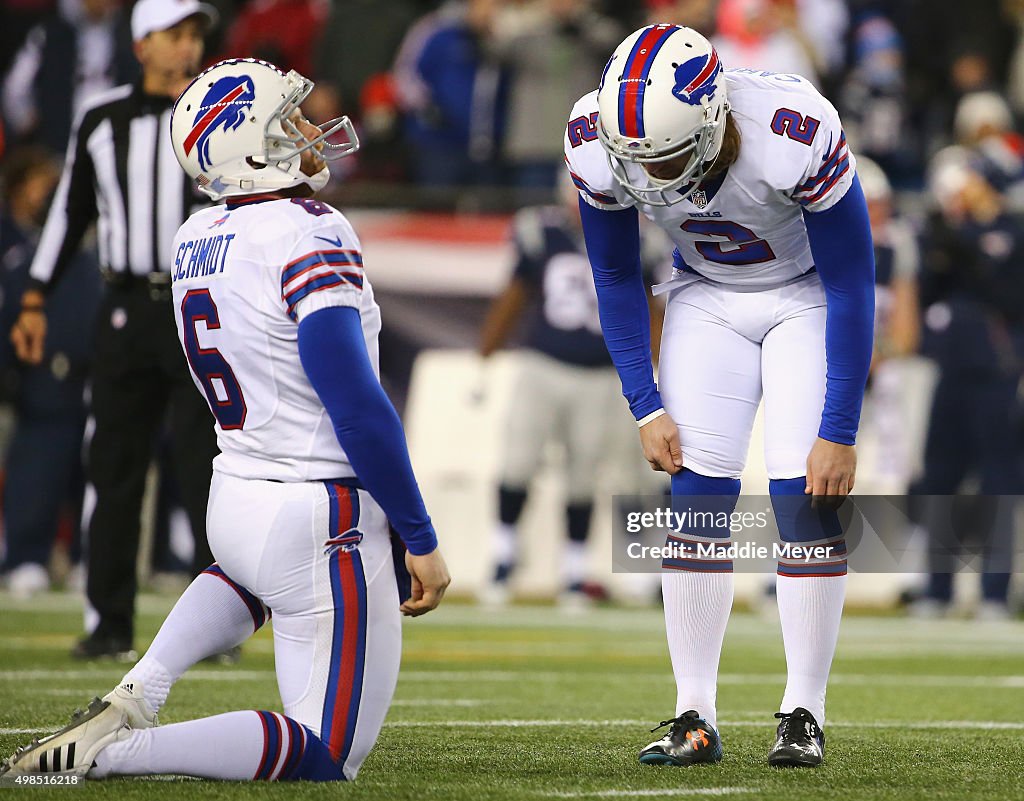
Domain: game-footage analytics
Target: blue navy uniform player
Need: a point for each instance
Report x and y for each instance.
(750, 175)
(277, 320)
(566, 388)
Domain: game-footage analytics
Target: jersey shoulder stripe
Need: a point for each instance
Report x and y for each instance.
(317, 257)
(580, 184)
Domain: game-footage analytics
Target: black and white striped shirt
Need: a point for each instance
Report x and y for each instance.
(121, 172)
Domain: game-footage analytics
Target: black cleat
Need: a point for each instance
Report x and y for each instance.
(799, 741)
(104, 647)
(690, 741)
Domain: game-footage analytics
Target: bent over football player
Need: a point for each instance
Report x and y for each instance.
(750, 175)
(279, 325)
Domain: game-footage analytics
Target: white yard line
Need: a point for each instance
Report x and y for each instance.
(766, 722)
(105, 676)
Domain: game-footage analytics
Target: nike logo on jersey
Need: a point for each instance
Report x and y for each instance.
(336, 242)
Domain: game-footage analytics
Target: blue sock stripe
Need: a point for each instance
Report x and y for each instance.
(698, 565)
(272, 747)
(828, 570)
(296, 743)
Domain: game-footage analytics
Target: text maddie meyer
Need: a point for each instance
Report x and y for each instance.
(789, 551)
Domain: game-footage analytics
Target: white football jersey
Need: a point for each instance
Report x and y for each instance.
(750, 230)
(243, 278)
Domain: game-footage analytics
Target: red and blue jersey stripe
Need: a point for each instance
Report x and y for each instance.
(635, 74)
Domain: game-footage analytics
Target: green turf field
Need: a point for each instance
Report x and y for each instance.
(532, 704)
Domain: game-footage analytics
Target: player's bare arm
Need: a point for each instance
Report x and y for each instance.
(503, 315)
(29, 332)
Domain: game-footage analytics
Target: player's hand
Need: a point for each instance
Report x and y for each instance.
(660, 441)
(430, 579)
(29, 332)
(831, 470)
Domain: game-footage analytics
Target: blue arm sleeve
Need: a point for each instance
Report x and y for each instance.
(334, 356)
(613, 245)
(840, 240)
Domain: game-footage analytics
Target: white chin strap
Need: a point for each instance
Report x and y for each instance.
(319, 180)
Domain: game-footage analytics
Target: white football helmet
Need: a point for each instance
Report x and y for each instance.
(233, 133)
(662, 95)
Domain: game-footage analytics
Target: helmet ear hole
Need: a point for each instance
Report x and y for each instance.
(254, 164)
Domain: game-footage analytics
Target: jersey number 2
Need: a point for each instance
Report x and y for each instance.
(744, 246)
(218, 379)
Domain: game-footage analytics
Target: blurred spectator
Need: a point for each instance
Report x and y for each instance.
(696, 14)
(44, 463)
(452, 95)
(873, 99)
(19, 16)
(950, 50)
(353, 76)
(344, 62)
(973, 294)
(283, 32)
(897, 331)
(66, 59)
(554, 51)
(778, 35)
(983, 122)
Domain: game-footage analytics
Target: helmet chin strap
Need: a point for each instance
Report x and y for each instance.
(318, 180)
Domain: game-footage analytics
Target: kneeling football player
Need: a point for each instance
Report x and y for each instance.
(279, 326)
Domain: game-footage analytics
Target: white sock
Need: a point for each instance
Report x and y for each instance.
(697, 607)
(228, 746)
(810, 608)
(506, 544)
(575, 568)
(211, 616)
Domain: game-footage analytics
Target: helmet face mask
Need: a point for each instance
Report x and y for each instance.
(662, 98)
(234, 131)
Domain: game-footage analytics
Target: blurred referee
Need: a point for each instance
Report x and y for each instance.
(121, 171)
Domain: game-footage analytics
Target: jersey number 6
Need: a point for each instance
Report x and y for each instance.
(218, 379)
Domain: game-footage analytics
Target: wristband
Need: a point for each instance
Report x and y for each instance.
(652, 416)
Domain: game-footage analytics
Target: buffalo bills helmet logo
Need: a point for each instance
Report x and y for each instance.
(224, 106)
(695, 79)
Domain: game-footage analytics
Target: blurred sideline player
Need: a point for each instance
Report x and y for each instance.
(566, 388)
(750, 175)
(897, 335)
(280, 328)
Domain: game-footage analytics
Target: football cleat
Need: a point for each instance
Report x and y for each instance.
(71, 751)
(690, 741)
(799, 741)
